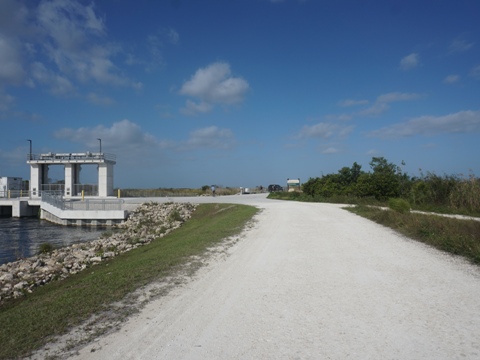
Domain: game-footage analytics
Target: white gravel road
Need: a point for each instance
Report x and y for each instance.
(311, 281)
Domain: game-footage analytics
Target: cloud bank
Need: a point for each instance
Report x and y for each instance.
(467, 121)
(213, 85)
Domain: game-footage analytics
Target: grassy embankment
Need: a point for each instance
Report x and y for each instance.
(455, 236)
(30, 322)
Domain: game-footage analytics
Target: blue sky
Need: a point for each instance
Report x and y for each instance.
(240, 93)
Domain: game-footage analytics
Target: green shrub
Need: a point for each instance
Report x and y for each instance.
(466, 194)
(175, 216)
(45, 248)
(399, 205)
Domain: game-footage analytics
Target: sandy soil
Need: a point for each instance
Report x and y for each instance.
(310, 281)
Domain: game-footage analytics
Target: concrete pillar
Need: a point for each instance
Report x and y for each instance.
(72, 177)
(105, 179)
(38, 177)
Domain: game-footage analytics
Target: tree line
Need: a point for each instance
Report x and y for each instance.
(386, 180)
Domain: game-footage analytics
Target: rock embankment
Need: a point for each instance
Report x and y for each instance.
(147, 222)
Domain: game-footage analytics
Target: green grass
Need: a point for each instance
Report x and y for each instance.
(30, 322)
(336, 199)
(442, 209)
(459, 237)
(352, 200)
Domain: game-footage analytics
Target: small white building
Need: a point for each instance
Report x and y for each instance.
(293, 185)
(8, 183)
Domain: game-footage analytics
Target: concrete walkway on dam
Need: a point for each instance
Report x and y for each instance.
(310, 281)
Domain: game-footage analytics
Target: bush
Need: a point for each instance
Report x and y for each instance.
(45, 248)
(466, 194)
(175, 216)
(399, 205)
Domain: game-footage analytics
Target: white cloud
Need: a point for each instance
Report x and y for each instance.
(330, 150)
(59, 85)
(5, 100)
(459, 45)
(11, 70)
(155, 44)
(382, 103)
(13, 19)
(461, 122)
(193, 108)
(397, 96)
(324, 130)
(215, 85)
(73, 36)
(100, 100)
(475, 72)
(351, 102)
(173, 36)
(211, 137)
(69, 23)
(409, 62)
(129, 142)
(451, 79)
(338, 117)
(123, 137)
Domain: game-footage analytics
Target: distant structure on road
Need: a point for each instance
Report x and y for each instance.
(293, 185)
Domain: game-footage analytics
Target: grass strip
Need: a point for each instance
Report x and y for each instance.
(353, 200)
(455, 236)
(31, 322)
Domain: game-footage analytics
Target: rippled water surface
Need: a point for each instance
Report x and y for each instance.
(20, 238)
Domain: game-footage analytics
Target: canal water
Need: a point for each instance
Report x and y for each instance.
(21, 237)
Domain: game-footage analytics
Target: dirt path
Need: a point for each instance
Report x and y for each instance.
(311, 281)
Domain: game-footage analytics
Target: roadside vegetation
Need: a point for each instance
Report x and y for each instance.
(448, 194)
(458, 237)
(166, 192)
(30, 322)
(387, 185)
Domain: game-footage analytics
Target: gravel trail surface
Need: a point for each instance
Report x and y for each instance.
(311, 281)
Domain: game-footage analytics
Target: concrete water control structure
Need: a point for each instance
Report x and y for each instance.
(39, 165)
(64, 207)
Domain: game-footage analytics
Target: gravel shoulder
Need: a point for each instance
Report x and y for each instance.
(310, 281)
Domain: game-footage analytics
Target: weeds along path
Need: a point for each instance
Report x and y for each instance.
(311, 281)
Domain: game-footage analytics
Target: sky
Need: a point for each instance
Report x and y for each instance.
(240, 93)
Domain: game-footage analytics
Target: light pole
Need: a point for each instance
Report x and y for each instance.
(100, 145)
(30, 141)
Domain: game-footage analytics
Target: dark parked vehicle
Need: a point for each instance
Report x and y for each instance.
(274, 188)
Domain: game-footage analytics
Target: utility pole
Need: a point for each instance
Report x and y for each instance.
(30, 157)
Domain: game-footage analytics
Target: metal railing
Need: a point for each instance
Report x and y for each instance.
(53, 187)
(56, 157)
(59, 202)
(87, 189)
(78, 189)
(14, 194)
